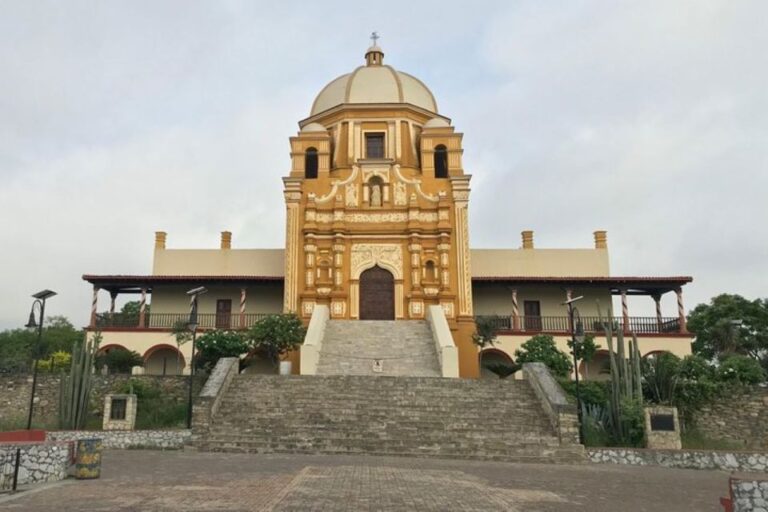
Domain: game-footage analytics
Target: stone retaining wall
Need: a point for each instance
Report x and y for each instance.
(749, 494)
(15, 391)
(687, 459)
(40, 462)
(128, 439)
(742, 418)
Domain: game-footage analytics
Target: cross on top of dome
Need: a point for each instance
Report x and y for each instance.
(374, 56)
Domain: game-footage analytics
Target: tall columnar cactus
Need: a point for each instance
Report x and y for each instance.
(75, 388)
(626, 382)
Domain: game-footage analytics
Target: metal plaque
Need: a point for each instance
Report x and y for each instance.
(664, 422)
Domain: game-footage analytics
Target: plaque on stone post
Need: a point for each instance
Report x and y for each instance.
(119, 412)
(662, 428)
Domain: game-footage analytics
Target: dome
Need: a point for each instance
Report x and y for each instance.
(374, 83)
(437, 122)
(314, 127)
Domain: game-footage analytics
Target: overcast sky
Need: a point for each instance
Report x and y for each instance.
(648, 119)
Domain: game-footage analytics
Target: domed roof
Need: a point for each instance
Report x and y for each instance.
(374, 83)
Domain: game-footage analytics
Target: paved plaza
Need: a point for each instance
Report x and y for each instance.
(191, 482)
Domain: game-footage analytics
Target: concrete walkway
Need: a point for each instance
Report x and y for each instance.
(189, 481)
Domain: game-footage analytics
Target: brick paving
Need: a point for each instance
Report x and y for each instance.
(205, 482)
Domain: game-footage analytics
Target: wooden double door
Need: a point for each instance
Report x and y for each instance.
(377, 294)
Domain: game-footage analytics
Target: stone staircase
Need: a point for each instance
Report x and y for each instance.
(411, 416)
(405, 348)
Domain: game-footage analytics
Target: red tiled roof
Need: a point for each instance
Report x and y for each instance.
(138, 279)
(589, 279)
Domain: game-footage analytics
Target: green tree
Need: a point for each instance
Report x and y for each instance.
(730, 324)
(740, 369)
(214, 345)
(542, 349)
(485, 331)
(18, 346)
(275, 335)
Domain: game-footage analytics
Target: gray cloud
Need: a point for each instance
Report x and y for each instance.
(646, 119)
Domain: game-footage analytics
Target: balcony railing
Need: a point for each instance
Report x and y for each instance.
(592, 324)
(170, 320)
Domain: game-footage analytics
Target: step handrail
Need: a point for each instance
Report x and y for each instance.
(447, 353)
(207, 404)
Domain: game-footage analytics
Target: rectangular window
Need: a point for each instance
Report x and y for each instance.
(117, 409)
(374, 145)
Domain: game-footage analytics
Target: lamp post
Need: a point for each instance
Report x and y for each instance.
(577, 336)
(192, 326)
(39, 303)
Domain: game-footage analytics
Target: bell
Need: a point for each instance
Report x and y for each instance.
(32, 323)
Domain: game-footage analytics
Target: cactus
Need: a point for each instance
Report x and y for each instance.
(75, 388)
(626, 382)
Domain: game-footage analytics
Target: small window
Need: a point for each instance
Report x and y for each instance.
(374, 145)
(310, 164)
(430, 272)
(441, 162)
(117, 409)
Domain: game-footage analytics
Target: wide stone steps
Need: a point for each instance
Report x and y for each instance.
(405, 348)
(416, 416)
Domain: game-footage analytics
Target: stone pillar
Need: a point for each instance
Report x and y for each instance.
(143, 308)
(415, 250)
(659, 322)
(460, 185)
(515, 311)
(94, 306)
(292, 194)
(443, 250)
(112, 298)
(338, 263)
(681, 311)
(243, 298)
(625, 311)
(309, 256)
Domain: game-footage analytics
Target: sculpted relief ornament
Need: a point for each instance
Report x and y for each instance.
(351, 193)
(365, 256)
(401, 196)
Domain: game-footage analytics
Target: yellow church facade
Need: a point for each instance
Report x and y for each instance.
(377, 205)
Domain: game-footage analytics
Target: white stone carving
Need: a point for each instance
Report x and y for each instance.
(430, 291)
(447, 308)
(309, 307)
(337, 308)
(416, 184)
(365, 256)
(324, 291)
(373, 217)
(401, 194)
(336, 184)
(351, 194)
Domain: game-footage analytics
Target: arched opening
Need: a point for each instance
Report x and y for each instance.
(163, 360)
(377, 294)
(441, 161)
(599, 368)
(430, 272)
(655, 353)
(496, 364)
(310, 164)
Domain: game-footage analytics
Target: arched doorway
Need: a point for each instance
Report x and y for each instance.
(163, 360)
(377, 294)
(495, 364)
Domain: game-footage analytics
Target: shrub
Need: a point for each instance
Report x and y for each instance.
(696, 368)
(214, 345)
(661, 374)
(57, 361)
(542, 349)
(632, 423)
(485, 331)
(119, 360)
(592, 392)
(740, 369)
(275, 335)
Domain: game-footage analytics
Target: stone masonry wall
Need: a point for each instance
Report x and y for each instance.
(749, 494)
(741, 418)
(40, 462)
(15, 391)
(128, 439)
(750, 462)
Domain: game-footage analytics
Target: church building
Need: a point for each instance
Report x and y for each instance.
(377, 204)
